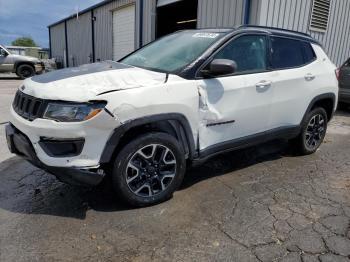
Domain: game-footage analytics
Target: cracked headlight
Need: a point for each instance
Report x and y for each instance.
(73, 112)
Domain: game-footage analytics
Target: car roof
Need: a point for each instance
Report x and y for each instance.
(260, 29)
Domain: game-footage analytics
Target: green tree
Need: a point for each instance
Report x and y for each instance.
(24, 41)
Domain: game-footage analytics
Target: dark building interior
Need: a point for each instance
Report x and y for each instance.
(180, 15)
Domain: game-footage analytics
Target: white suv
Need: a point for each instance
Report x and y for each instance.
(181, 99)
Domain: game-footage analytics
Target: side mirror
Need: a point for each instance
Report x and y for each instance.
(219, 67)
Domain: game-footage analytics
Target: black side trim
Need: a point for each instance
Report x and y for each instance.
(247, 141)
(318, 98)
(221, 123)
(118, 133)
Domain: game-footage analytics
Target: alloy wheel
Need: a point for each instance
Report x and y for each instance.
(150, 170)
(315, 131)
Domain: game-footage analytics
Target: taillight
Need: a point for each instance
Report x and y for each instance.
(337, 73)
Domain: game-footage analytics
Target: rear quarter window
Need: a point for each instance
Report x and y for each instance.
(309, 53)
(289, 53)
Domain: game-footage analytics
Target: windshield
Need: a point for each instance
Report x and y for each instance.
(173, 52)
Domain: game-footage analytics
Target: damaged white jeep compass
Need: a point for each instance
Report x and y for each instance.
(183, 98)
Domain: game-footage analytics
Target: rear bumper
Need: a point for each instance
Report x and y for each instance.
(18, 143)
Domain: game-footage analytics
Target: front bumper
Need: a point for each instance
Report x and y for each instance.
(18, 143)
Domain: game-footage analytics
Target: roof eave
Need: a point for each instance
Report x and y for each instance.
(105, 2)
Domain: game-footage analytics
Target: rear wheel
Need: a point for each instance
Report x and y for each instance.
(313, 131)
(149, 169)
(25, 71)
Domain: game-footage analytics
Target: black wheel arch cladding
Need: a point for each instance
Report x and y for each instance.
(174, 124)
(19, 63)
(322, 101)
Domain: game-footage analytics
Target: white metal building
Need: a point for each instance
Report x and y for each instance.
(113, 28)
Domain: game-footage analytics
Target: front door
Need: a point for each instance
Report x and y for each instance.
(236, 107)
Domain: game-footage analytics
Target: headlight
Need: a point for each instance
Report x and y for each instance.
(71, 112)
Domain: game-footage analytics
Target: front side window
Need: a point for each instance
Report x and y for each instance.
(288, 53)
(2, 52)
(249, 53)
(173, 52)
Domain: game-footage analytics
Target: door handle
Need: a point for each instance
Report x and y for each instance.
(263, 85)
(309, 77)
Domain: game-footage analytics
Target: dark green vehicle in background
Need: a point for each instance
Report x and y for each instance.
(344, 85)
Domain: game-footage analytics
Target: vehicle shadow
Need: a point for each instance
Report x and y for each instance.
(235, 161)
(28, 190)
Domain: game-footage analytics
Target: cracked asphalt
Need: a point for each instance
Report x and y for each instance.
(258, 204)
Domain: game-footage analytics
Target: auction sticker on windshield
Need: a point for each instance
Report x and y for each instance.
(206, 35)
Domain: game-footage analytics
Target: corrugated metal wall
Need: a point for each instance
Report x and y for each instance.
(149, 21)
(220, 13)
(289, 14)
(104, 27)
(58, 42)
(79, 37)
(295, 15)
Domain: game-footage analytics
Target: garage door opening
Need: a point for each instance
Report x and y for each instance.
(176, 15)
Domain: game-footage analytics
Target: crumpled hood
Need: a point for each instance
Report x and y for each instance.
(84, 83)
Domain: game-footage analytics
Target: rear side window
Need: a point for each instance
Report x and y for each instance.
(288, 53)
(309, 53)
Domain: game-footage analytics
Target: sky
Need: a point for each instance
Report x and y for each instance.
(31, 17)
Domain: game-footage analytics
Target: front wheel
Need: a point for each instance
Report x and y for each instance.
(149, 169)
(25, 71)
(313, 131)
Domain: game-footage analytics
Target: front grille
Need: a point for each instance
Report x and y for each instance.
(28, 107)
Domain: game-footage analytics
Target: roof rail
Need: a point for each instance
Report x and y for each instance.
(273, 28)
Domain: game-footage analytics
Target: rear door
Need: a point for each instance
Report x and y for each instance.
(295, 75)
(238, 105)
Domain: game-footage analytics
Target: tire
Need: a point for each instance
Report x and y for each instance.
(313, 131)
(25, 71)
(149, 169)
